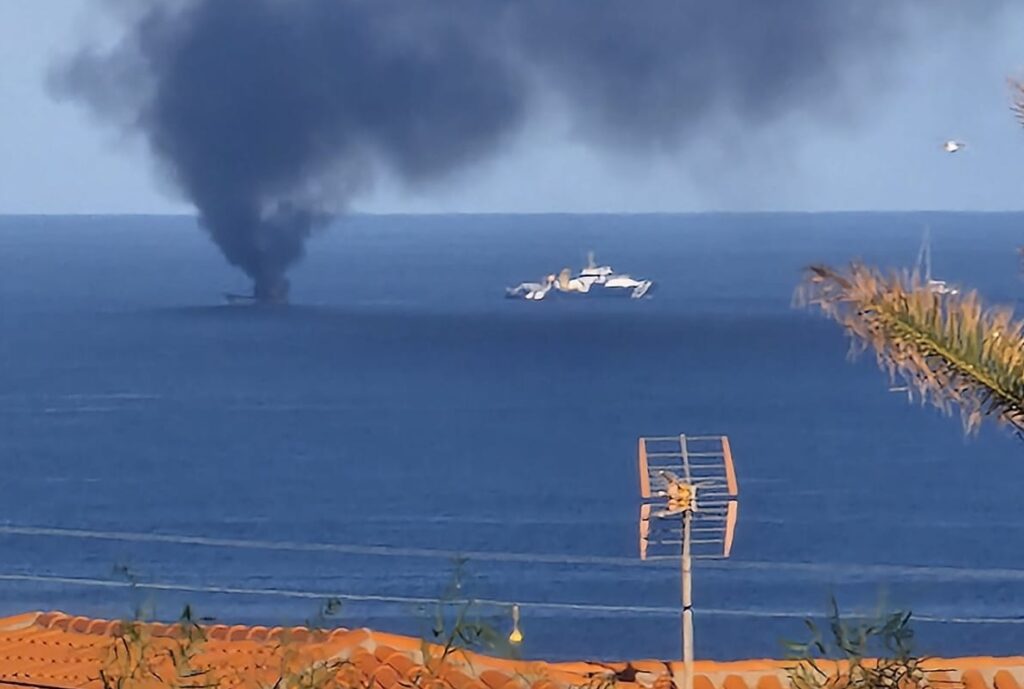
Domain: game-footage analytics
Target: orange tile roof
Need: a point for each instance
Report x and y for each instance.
(57, 651)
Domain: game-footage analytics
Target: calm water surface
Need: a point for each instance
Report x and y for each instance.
(401, 402)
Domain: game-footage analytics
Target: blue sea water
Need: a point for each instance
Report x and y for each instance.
(402, 402)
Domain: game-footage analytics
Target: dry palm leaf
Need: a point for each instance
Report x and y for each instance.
(1017, 106)
(949, 348)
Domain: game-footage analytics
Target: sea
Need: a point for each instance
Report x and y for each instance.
(402, 438)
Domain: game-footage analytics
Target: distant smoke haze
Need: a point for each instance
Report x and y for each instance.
(271, 115)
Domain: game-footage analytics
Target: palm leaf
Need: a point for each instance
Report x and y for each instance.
(1017, 105)
(950, 349)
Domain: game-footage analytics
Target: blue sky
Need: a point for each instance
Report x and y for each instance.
(56, 158)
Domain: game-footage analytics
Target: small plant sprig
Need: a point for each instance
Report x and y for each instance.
(130, 658)
(458, 629)
(872, 653)
(326, 615)
(297, 673)
(136, 658)
(299, 669)
(184, 653)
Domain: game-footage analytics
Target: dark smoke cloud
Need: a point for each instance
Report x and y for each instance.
(656, 71)
(254, 104)
(271, 114)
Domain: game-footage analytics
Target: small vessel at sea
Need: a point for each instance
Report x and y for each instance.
(233, 299)
(924, 268)
(263, 293)
(592, 280)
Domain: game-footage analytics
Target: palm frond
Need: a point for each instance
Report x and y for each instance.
(1017, 103)
(950, 349)
(1017, 106)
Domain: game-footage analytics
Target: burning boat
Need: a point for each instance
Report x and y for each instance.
(263, 293)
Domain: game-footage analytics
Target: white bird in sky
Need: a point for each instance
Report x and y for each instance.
(952, 146)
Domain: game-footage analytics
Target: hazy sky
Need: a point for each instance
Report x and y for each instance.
(55, 158)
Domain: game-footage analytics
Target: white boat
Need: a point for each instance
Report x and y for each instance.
(924, 268)
(592, 280)
(531, 291)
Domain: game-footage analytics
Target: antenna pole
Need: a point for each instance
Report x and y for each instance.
(687, 605)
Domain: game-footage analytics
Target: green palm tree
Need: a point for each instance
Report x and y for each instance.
(950, 349)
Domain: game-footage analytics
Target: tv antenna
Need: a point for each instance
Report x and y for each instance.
(689, 510)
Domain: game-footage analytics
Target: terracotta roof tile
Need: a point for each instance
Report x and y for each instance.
(564, 678)
(19, 622)
(655, 667)
(69, 652)
(734, 682)
(364, 661)
(403, 665)
(583, 668)
(663, 682)
(458, 679)
(768, 682)
(972, 679)
(386, 677)
(702, 682)
(493, 679)
(1004, 680)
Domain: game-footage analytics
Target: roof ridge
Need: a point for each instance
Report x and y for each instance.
(372, 640)
(62, 621)
(17, 622)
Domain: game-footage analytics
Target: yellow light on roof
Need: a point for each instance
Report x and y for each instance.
(516, 637)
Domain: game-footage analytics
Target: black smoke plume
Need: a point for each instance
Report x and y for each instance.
(269, 115)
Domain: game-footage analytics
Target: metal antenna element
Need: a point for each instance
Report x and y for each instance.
(689, 507)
